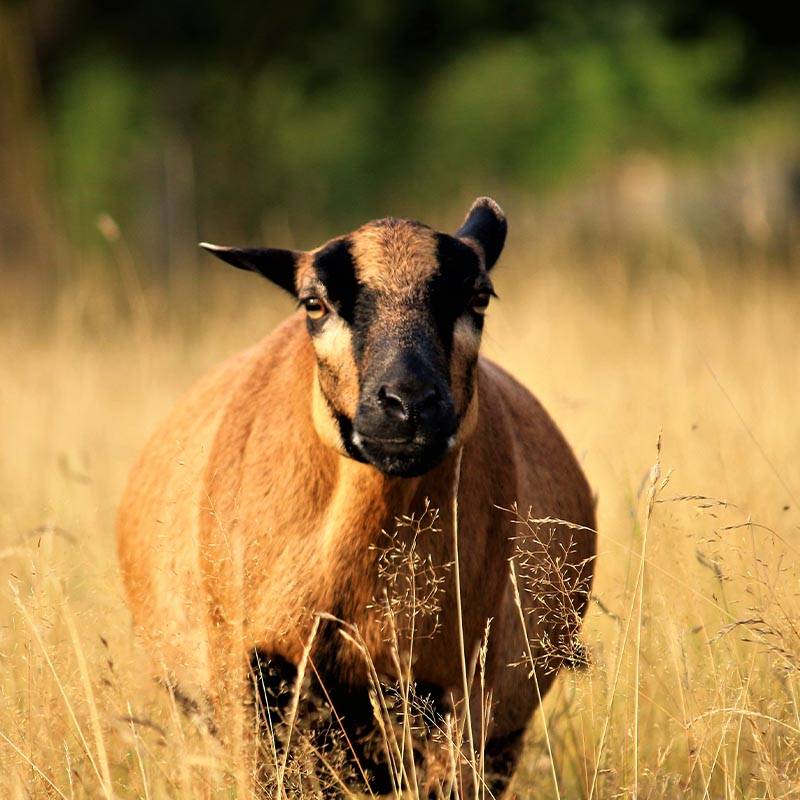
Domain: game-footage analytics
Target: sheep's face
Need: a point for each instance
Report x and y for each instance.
(395, 312)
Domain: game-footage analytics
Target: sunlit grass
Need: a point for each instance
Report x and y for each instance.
(693, 636)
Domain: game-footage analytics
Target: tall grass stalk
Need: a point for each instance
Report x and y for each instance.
(534, 676)
(460, 614)
(694, 653)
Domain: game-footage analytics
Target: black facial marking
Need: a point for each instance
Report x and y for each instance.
(345, 425)
(336, 269)
(366, 312)
(456, 258)
(453, 285)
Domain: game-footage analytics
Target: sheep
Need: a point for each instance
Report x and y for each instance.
(250, 531)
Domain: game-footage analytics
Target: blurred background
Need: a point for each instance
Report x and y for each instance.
(604, 124)
(648, 158)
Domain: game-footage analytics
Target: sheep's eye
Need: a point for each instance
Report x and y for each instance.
(480, 302)
(315, 308)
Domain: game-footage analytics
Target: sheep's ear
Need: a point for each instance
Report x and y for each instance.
(277, 265)
(486, 226)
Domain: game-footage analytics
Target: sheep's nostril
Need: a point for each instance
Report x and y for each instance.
(393, 404)
(416, 404)
(428, 399)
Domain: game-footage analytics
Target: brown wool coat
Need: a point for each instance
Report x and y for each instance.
(238, 523)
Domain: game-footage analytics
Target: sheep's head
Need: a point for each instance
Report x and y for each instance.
(395, 313)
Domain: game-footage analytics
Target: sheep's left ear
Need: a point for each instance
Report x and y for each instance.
(486, 226)
(277, 265)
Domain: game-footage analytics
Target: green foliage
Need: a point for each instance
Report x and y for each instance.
(100, 125)
(308, 113)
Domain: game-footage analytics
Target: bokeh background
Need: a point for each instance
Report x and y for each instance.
(295, 121)
(648, 158)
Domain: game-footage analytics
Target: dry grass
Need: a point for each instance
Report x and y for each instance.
(694, 636)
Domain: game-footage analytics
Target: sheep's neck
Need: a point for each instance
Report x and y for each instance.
(363, 503)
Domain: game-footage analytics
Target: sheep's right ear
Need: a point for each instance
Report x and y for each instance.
(273, 263)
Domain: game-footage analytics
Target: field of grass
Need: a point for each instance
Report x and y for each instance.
(694, 632)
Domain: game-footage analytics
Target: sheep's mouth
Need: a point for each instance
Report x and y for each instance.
(403, 457)
(386, 441)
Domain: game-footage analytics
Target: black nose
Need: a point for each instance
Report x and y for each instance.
(408, 402)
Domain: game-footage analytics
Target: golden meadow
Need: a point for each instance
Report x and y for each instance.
(694, 632)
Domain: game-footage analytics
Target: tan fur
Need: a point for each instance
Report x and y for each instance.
(237, 479)
(242, 519)
(394, 255)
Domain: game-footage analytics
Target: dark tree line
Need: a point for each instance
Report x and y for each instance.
(246, 117)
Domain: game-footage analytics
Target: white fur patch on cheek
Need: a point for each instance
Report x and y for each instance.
(466, 342)
(466, 337)
(334, 343)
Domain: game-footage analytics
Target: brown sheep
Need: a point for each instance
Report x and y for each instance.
(260, 503)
